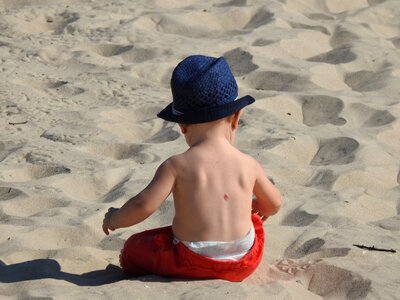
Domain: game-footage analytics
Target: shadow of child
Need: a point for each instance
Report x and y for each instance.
(50, 268)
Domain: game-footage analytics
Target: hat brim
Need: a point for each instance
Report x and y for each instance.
(206, 114)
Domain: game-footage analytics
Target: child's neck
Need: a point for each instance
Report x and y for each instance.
(207, 132)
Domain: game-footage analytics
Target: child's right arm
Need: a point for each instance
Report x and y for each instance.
(143, 204)
(268, 199)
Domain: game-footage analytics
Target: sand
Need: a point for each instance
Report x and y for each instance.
(82, 81)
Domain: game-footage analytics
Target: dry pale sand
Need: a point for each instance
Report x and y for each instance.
(81, 82)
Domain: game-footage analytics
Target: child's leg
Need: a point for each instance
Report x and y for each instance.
(143, 252)
(153, 252)
(129, 266)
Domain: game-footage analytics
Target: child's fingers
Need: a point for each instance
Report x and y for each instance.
(105, 229)
(111, 210)
(106, 221)
(262, 217)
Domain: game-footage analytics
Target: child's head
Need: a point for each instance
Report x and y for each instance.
(203, 90)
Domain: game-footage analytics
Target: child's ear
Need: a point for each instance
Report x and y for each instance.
(235, 119)
(183, 128)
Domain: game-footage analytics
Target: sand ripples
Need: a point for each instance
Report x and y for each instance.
(82, 83)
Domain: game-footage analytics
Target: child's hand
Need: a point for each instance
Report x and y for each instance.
(255, 209)
(107, 220)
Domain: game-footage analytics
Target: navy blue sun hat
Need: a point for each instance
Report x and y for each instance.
(203, 90)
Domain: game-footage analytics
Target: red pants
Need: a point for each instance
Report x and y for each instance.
(153, 252)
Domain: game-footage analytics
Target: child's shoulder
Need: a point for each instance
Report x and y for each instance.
(191, 158)
(246, 158)
(175, 161)
(182, 160)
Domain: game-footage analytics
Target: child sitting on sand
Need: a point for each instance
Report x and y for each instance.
(217, 230)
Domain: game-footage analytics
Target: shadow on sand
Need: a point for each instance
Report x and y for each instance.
(50, 268)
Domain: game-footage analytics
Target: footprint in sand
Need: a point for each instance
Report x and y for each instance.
(241, 62)
(342, 38)
(312, 248)
(370, 117)
(296, 25)
(73, 133)
(33, 22)
(299, 249)
(277, 81)
(322, 179)
(166, 134)
(267, 143)
(66, 89)
(14, 220)
(56, 87)
(7, 193)
(39, 158)
(28, 206)
(128, 53)
(321, 109)
(341, 55)
(327, 281)
(57, 54)
(367, 81)
(7, 148)
(298, 218)
(336, 151)
(331, 282)
(215, 22)
(30, 172)
(61, 22)
(98, 187)
(136, 126)
(108, 50)
(260, 18)
(118, 151)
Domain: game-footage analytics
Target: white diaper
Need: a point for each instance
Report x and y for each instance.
(221, 250)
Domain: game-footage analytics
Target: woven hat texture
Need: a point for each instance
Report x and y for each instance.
(203, 89)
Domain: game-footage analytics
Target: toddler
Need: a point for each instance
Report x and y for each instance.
(221, 195)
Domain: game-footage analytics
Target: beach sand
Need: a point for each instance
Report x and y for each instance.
(81, 83)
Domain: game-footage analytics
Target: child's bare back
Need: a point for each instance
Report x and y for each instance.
(213, 189)
(213, 192)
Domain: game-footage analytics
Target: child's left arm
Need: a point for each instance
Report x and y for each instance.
(138, 208)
